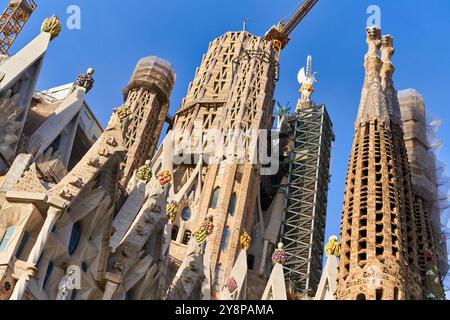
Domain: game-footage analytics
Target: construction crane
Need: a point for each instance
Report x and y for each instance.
(279, 35)
(12, 21)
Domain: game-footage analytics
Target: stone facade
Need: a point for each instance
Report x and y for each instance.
(232, 90)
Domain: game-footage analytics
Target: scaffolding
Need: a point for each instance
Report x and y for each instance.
(12, 21)
(303, 227)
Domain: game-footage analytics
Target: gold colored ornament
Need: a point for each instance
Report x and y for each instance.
(52, 25)
(123, 112)
(245, 241)
(332, 247)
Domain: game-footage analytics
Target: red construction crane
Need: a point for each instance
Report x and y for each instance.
(13, 20)
(279, 35)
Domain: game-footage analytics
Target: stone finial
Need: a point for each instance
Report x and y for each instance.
(307, 79)
(373, 40)
(172, 211)
(86, 80)
(164, 177)
(332, 247)
(245, 241)
(144, 173)
(279, 256)
(205, 230)
(123, 112)
(52, 25)
(387, 51)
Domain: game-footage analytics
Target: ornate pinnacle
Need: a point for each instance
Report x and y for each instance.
(124, 112)
(172, 211)
(52, 25)
(205, 230)
(279, 256)
(307, 79)
(245, 241)
(332, 247)
(373, 40)
(387, 51)
(144, 173)
(86, 80)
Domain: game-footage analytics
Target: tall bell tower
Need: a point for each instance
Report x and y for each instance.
(378, 258)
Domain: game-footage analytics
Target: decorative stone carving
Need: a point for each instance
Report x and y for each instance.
(111, 141)
(124, 112)
(279, 256)
(105, 152)
(94, 162)
(70, 281)
(165, 177)
(144, 173)
(9, 126)
(86, 80)
(332, 247)
(172, 211)
(65, 194)
(245, 241)
(205, 230)
(78, 183)
(52, 25)
(307, 79)
(117, 267)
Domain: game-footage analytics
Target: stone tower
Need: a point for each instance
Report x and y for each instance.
(424, 179)
(147, 101)
(378, 257)
(231, 93)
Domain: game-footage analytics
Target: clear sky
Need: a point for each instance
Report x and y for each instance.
(116, 33)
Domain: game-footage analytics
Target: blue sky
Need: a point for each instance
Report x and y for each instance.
(115, 34)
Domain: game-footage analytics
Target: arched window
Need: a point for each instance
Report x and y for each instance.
(215, 198)
(232, 204)
(48, 273)
(379, 294)
(74, 238)
(396, 293)
(129, 295)
(22, 244)
(187, 237)
(250, 262)
(174, 234)
(361, 296)
(6, 237)
(186, 214)
(224, 241)
(73, 295)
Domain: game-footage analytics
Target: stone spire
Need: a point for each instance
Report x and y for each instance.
(379, 97)
(378, 252)
(387, 71)
(373, 102)
(146, 107)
